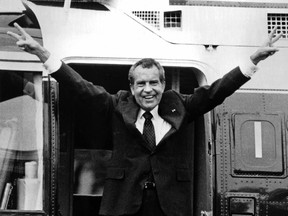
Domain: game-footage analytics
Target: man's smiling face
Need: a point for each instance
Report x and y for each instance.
(147, 87)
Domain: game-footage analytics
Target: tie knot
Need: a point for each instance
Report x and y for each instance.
(148, 115)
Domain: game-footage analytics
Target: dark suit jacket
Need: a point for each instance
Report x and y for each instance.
(131, 160)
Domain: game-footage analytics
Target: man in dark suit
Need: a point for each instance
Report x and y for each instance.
(150, 171)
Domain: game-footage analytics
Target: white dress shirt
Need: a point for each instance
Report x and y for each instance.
(161, 127)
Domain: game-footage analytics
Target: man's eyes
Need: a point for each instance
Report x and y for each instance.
(140, 84)
(153, 83)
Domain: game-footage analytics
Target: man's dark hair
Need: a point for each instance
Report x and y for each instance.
(146, 63)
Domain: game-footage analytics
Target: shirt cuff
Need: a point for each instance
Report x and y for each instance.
(248, 68)
(52, 64)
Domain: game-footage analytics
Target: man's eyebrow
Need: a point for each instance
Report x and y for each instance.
(140, 82)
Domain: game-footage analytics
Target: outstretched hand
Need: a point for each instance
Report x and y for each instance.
(28, 44)
(267, 48)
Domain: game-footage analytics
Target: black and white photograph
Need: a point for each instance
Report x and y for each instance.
(143, 108)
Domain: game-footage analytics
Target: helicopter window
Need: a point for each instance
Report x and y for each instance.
(21, 140)
(25, 22)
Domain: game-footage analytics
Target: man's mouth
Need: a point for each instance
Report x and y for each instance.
(148, 97)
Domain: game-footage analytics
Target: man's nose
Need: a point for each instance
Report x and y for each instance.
(147, 87)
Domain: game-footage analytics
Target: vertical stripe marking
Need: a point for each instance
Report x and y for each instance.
(258, 139)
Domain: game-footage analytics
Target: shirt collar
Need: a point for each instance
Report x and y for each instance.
(154, 113)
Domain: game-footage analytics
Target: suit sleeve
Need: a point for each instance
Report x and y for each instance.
(84, 92)
(205, 98)
(92, 107)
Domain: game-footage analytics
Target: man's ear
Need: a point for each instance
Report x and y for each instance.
(164, 85)
(132, 89)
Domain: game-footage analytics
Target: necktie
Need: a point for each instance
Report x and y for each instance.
(148, 131)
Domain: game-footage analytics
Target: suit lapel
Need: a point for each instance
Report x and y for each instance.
(129, 110)
(171, 110)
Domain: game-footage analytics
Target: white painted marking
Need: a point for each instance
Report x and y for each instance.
(258, 139)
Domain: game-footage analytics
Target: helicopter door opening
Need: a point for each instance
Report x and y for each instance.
(88, 163)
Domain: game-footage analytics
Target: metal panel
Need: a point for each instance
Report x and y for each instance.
(243, 203)
(250, 130)
(257, 143)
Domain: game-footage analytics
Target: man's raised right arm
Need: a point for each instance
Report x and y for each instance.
(65, 74)
(28, 44)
